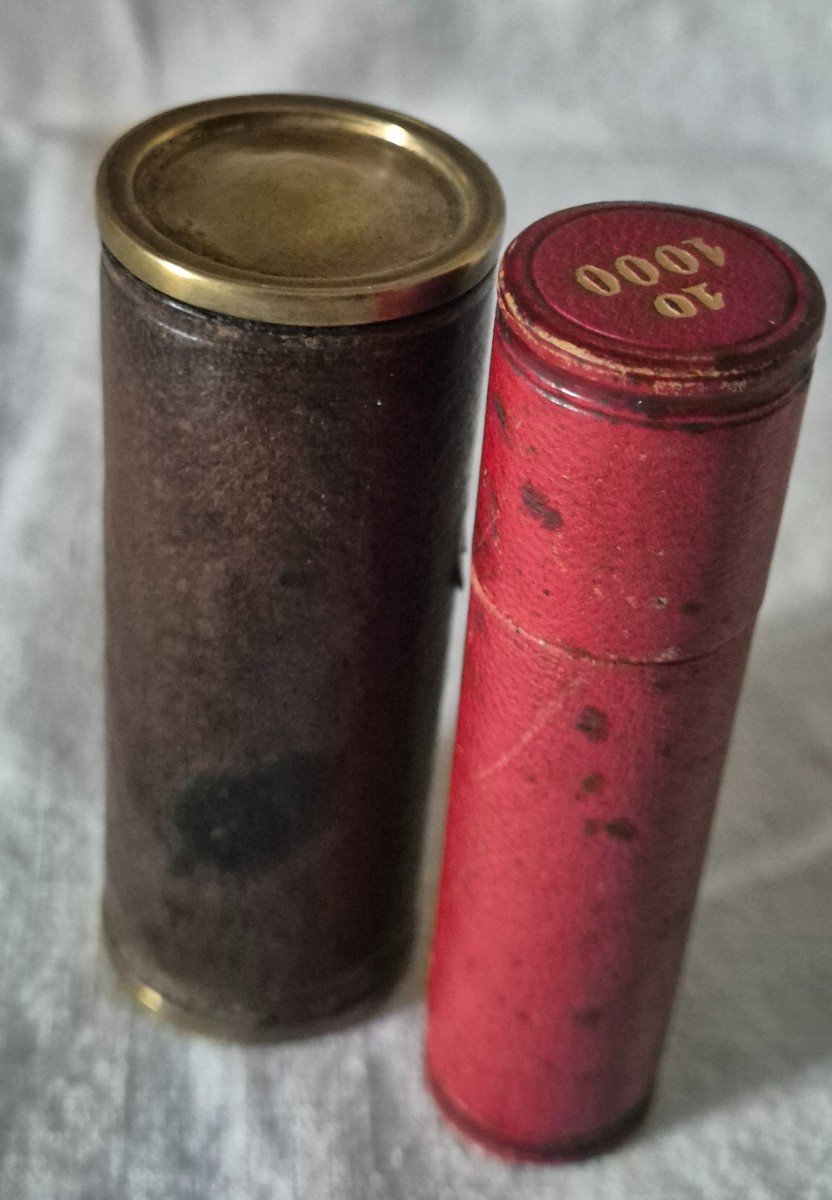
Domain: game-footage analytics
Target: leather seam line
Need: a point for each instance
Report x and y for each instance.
(559, 647)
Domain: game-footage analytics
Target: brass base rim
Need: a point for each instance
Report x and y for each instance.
(560, 1150)
(154, 1005)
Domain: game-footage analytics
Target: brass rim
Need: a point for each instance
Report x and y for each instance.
(384, 292)
(362, 1003)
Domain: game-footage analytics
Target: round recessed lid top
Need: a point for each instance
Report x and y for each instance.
(299, 210)
(660, 297)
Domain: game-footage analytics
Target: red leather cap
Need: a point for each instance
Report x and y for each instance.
(657, 300)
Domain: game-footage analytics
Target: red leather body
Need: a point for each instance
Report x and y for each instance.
(620, 557)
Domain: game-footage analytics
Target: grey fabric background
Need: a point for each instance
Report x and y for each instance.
(725, 105)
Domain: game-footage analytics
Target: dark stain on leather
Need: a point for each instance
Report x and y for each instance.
(592, 722)
(237, 823)
(500, 411)
(540, 508)
(622, 829)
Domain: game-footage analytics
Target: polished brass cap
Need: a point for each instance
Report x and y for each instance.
(299, 210)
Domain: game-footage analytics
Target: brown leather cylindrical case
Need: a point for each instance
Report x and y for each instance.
(295, 307)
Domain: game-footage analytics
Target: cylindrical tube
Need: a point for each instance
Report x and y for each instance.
(282, 511)
(647, 381)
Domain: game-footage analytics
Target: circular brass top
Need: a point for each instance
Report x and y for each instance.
(299, 210)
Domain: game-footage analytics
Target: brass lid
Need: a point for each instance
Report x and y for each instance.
(299, 210)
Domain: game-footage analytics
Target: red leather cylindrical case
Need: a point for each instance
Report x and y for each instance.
(647, 381)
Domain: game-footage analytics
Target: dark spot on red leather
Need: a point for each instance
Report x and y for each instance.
(593, 783)
(499, 411)
(592, 722)
(691, 607)
(622, 829)
(540, 508)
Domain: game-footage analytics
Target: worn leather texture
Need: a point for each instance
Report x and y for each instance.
(282, 515)
(617, 569)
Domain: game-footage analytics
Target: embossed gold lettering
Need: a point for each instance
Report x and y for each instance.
(644, 273)
(672, 304)
(714, 254)
(597, 280)
(673, 258)
(714, 301)
(637, 270)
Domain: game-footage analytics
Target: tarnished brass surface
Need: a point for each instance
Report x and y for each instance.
(299, 210)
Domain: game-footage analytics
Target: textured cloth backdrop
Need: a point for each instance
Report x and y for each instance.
(701, 102)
